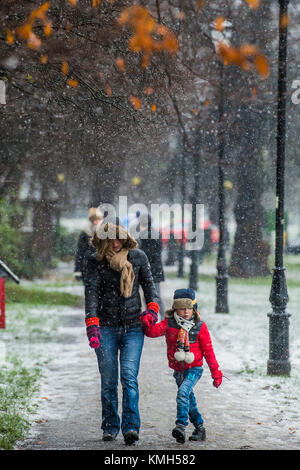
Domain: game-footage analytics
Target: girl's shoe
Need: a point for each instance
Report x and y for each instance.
(179, 433)
(198, 433)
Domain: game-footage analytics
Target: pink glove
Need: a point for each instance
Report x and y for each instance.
(93, 331)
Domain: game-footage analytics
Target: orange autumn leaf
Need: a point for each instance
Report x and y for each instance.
(262, 65)
(219, 23)
(26, 31)
(199, 4)
(33, 42)
(96, 3)
(73, 2)
(207, 103)
(242, 57)
(64, 67)
(248, 49)
(148, 91)
(253, 4)
(153, 107)
(136, 102)
(232, 55)
(73, 83)
(48, 29)
(44, 59)
(284, 20)
(10, 37)
(148, 37)
(120, 64)
(108, 90)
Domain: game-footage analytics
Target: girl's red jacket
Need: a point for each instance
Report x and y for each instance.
(200, 344)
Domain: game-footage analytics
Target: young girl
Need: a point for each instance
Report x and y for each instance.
(188, 340)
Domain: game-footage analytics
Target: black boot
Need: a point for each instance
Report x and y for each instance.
(130, 437)
(198, 433)
(179, 433)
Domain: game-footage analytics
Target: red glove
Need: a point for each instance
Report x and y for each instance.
(217, 378)
(149, 316)
(146, 320)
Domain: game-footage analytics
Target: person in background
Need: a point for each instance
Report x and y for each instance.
(151, 244)
(94, 217)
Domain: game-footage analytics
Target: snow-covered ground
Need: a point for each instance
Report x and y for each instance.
(251, 410)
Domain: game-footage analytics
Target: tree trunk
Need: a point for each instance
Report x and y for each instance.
(250, 252)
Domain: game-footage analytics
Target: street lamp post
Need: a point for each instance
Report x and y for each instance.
(278, 363)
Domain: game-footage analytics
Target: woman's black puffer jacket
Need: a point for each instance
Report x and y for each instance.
(103, 297)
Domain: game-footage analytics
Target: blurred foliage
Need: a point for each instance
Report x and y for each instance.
(11, 240)
(65, 243)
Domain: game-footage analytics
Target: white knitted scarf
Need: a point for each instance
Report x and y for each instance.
(187, 325)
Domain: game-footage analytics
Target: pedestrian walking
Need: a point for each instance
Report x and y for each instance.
(94, 217)
(188, 341)
(150, 242)
(113, 276)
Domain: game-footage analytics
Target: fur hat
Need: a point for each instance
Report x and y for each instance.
(183, 298)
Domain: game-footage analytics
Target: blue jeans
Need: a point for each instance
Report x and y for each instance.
(186, 401)
(130, 344)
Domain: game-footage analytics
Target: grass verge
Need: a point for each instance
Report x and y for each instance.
(32, 319)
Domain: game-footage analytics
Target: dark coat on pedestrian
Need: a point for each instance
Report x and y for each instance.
(82, 246)
(153, 249)
(103, 297)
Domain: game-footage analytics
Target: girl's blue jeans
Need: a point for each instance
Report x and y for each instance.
(186, 401)
(120, 348)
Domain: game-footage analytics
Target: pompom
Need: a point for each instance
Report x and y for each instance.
(179, 356)
(189, 357)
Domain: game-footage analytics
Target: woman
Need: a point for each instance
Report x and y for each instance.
(112, 309)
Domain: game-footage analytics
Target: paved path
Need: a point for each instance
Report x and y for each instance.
(239, 415)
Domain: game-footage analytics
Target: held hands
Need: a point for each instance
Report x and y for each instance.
(93, 331)
(217, 378)
(149, 317)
